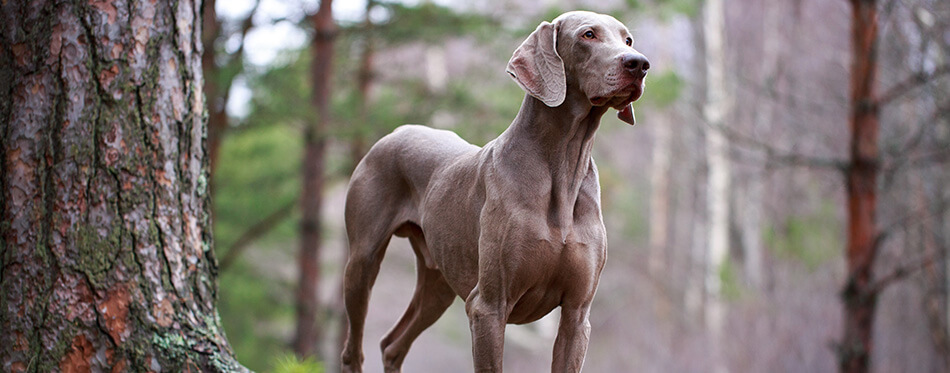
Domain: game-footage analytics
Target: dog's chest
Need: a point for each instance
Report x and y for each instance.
(554, 271)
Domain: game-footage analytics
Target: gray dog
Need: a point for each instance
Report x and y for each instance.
(514, 228)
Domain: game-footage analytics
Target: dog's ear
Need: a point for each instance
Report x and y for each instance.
(538, 68)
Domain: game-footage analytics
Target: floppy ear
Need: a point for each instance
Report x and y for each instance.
(538, 68)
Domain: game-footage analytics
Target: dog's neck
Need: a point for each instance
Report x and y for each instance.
(560, 137)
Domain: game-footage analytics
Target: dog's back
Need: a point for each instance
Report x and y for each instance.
(405, 160)
(391, 180)
(413, 153)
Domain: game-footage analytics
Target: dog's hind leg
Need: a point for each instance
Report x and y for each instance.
(358, 279)
(432, 297)
(369, 229)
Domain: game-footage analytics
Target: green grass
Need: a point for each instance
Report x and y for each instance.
(292, 364)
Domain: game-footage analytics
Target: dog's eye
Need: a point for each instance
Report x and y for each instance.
(589, 34)
(629, 42)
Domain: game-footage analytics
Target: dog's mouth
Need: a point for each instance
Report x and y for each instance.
(621, 97)
(621, 100)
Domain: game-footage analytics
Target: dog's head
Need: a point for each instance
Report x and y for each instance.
(586, 51)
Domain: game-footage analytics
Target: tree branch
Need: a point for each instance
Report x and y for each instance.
(907, 155)
(900, 273)
(909, 219)
(254, 232)
(920, 159)
(781, 157)
(909, 84)
(801, 160)
(778, 96)
(936, 156)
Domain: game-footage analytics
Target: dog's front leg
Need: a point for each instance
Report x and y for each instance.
(573, 333)
(486, 318)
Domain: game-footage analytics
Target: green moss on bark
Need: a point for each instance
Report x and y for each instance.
(97, 254)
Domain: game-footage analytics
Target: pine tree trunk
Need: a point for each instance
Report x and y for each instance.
(364, 80)
(105, 241)
(308, 332)
(219, 76)
(217, 98)
(860, 299)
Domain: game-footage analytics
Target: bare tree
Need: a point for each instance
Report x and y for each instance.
(106, 246)
(717, 147)
(750, 221)
(859, 297)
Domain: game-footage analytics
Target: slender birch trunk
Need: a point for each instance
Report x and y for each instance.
(717, 151)
(751, 200)
(660, 197)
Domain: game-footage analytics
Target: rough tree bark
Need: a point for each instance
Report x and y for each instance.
(106, 253)
(311, 200)
(859, 296)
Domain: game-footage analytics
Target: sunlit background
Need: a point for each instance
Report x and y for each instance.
(442, 63)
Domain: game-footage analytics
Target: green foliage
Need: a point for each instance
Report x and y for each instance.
(429, 22)
(479, 108)
(663, 89)
(689, 8)
(281, 93)
(549, 15)
(259, 173)
(291, 364)
(257, 312)
(665, 9)
(392, 105)
(730, 287)
(812, 239)
(483, 111)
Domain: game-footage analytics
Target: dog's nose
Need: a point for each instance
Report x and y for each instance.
(635, 63)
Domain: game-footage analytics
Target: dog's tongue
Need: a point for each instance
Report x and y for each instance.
(626, 115)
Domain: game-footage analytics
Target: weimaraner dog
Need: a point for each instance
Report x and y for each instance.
(513, 228)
